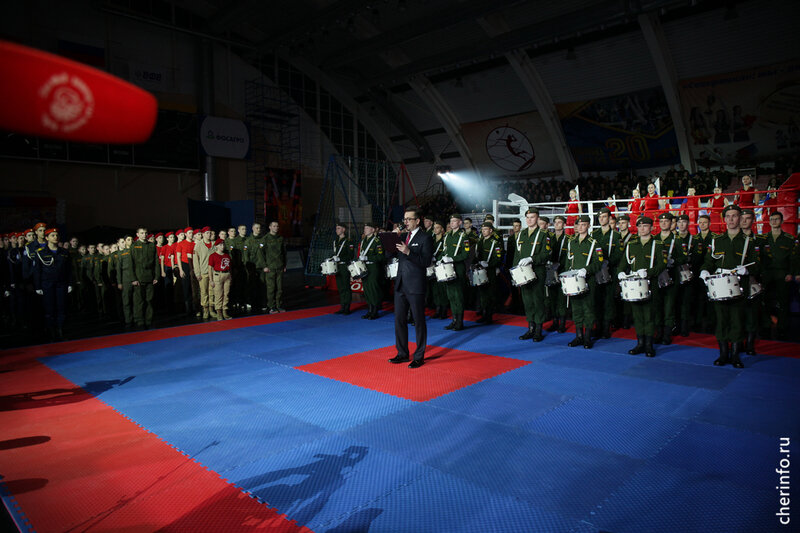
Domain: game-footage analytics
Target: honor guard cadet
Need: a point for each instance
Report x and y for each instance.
(611, 243)
(370, 250)
(668, 281)
(584, 255)
(456, 251)
(274, 267)
(558, 260)
(687, 296)
(440, 301)
(532, 247)
(488, 254)
(51, 270)
(782, 264)
(254, 263)
(646, 260)
(235, 246)
(166, 257)
(731, 253)
(75, 257)
(97, 279)
(623, 223)
(125, 279)
(754, 310)
(219, 269)
(202, 251)
(343, 253)
(145, 263)
(704, 309)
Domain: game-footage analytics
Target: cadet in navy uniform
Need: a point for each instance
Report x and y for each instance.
(414, 256)
(51, 280)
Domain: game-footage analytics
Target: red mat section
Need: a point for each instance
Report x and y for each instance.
(73, 464)
(445, 370)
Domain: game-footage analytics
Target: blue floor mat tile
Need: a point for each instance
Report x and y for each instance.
(767, 416)
(765, 364)
(662, 499)
(612, 428)
(705, 376)
(499, 402)
(722, 453)
(555, 379)
(593, 360)
(780, 389)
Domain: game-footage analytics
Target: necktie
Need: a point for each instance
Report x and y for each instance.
(408, 238)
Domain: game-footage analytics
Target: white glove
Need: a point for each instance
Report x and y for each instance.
(362, 257)
(525, 261)
(40, 292)
(13, 285)
(582, 272)
(335, 258)
(69, 289)
(741, 270)
(6, 294)
(704, 275)
(642, 273)
(447, 259)
(621, 276)
(485, 264)
(670, 262)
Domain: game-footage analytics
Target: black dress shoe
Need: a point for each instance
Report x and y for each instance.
(398, 359)
(416, 364)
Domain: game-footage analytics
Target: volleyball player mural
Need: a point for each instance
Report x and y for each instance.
(510, 149)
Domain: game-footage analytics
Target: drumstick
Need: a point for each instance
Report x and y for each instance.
(724, 271)
(51, 96)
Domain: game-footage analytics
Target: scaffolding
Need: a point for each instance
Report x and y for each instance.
(354, 191)
(274, 120)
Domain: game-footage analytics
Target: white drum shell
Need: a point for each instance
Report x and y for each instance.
(522, 275)
(357, 269)
(430, 271)
(572, 284)
(635, 289)
(685, 274)
(755, 289)
(445, 272)
(329, 267)
(479, 277)
(723, 287)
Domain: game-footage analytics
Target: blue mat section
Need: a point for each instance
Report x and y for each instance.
(577, 440)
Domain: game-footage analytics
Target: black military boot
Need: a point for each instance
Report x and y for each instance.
(626, 322)
(487, 318)
(459, 322)
(684, 328)
(735, 361)
(666, 335)
(649, 349)
(374, 313)
(751, 343)
(482, 315)
(369, 313)
(607, 330)
(346, 310)
(528, 334)
(562, 324)
(722, 360)
(537, 333)
(639, 348)
(587, 339)
(452, 324)
(340, 311)
(578, 340)
(554, 326)
(443, 314)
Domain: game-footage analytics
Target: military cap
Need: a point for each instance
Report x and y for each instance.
(748, 212)
(487, 224)
(440, 222)
(546, 219)
(370, 223)
(604, 210)
(489, 216)
(39, 225)
(624, 217)
(159, 233)
(187, 230)
(168, 234)
(455, 215)
(683, 217)
(644, 220)
(48, 231)
(732, 206)
(666, 216)
(29, 230)
(179, 231)
(534, 210)
(585, 218)
(218, 242)
(341, 224)
(562, 218)
(205, 229)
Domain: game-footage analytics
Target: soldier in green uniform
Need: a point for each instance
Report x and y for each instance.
(558, 260)
(691, 247)
(75, 257)
(731, 251)
(585, 255)
(87, 276)
(370, 250)
(645, 256)
(624, 308)
(488, 253)
(783, 263)
(754, 310)
(427, 225)
(667, 294)
(532, 247)
(125, 279)
(439, 289)
(145, 263)
(611, 243)
(254, 263)
(275, 266)
(235, 245)
(456, 251)
(99, 273)
(343, 253)
(704, 309)
(470, 292)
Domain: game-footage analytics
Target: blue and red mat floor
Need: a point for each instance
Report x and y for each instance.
(296, 422)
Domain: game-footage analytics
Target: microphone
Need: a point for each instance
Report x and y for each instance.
(50, 96)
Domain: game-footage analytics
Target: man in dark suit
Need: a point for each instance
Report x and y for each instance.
(414, 255)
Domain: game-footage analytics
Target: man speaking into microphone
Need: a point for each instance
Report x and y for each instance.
(414, 256)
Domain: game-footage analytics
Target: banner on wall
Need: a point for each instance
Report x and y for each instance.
(513, 145)
(741, 115)
(282, 201)
(632, 130)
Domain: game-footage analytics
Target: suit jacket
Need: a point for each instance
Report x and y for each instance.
(411, 278)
